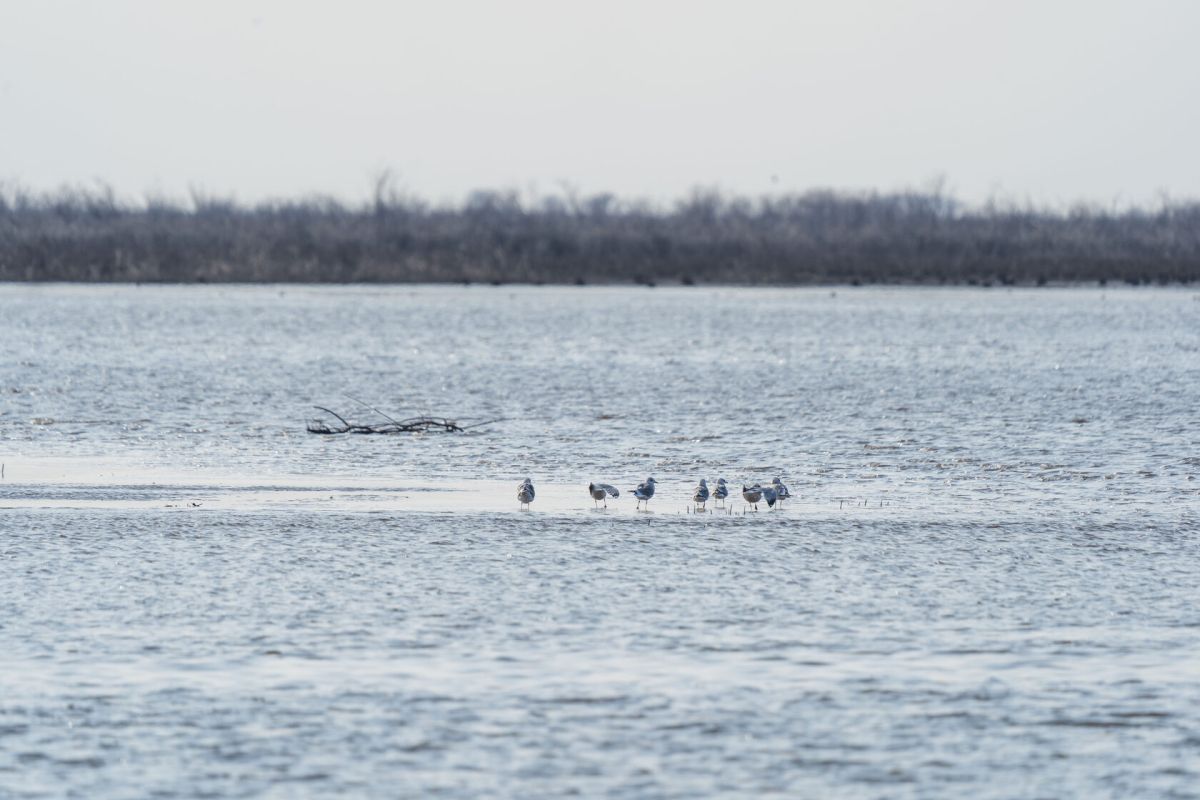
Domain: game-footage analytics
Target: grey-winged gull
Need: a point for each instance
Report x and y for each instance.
(752, 495)
(769, 495)
(780, 490)
(525, 493)
(602, 491)
(644, 491)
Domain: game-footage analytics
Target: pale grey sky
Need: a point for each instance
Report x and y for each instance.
(1054, 100)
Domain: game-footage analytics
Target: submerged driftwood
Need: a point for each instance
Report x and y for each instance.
(422, 424)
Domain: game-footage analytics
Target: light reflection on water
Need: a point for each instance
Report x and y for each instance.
(1019, 618)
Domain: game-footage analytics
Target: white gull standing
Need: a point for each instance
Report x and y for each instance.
(644, 491)
(780, 490)
(700, 496)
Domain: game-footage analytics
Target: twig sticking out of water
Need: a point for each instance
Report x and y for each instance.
(373, 408)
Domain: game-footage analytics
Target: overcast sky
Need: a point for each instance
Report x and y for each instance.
(1051, 101)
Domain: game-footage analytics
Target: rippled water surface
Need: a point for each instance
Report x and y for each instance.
(985, 585)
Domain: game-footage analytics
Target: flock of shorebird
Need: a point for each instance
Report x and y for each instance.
(600, 492)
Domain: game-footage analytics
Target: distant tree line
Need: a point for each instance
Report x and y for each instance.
(820, 237)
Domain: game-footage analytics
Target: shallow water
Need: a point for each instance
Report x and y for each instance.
(985, 584)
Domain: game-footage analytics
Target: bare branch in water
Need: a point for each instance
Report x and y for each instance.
(410, 425)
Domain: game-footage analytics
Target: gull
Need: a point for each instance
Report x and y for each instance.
(701, 493)
(721, 491)
(770, 496)
(525, 493)
(752, 494)
(780, 490)
(602, 491)
(644, 492)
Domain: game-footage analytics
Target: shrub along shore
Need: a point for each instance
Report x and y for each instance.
(820, 237)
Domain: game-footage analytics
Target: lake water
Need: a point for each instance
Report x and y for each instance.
(985, 583)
